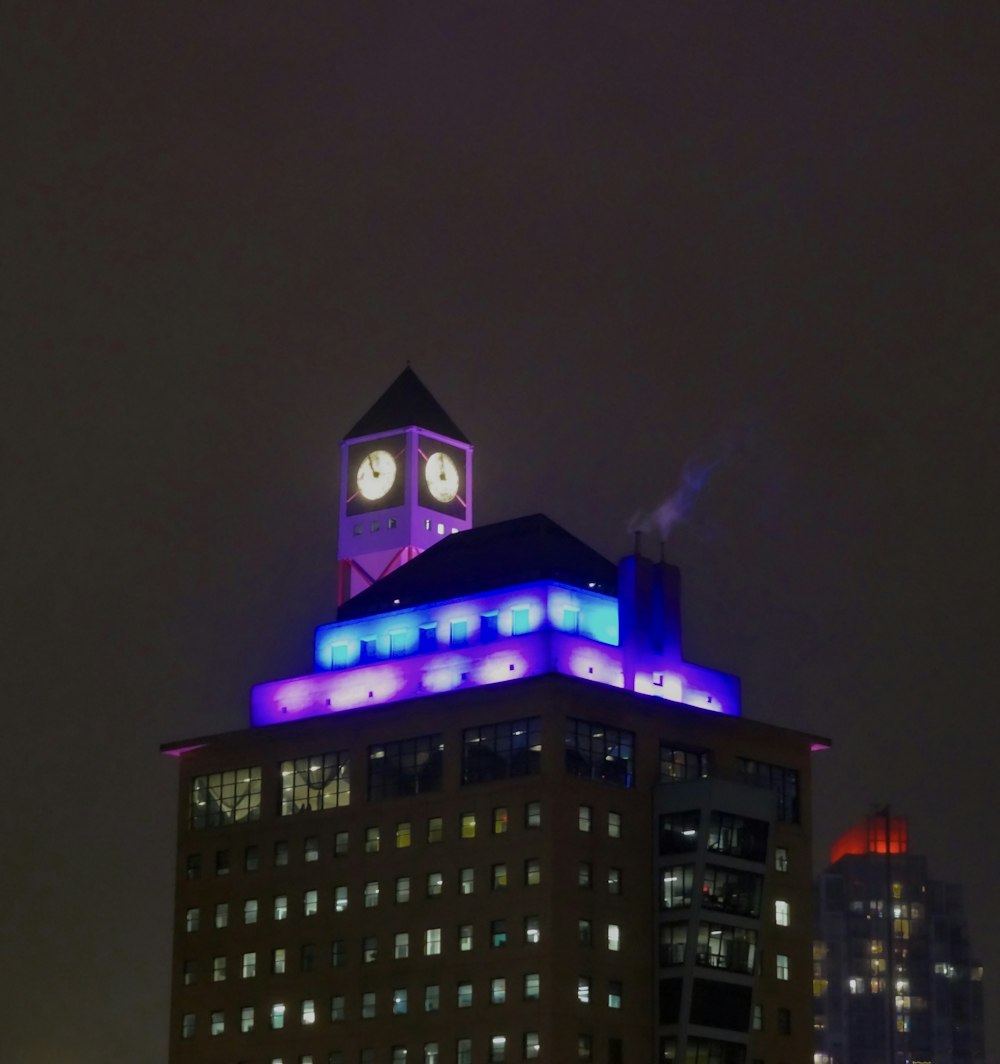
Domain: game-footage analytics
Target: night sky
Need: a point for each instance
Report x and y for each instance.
(616, 241)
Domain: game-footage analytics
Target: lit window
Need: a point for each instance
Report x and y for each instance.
(369, 949)
(583, 989)
(498, 991)
(520, 620)
(614, 938)
(192, 918)
(758, 1018)
(498, 933)
(371, 895)
(500, 820)
(340, 843)
(584, 932)
(532, 872)
(280, 854)
(781, 859)
(459, 634)
(251, 858)
(432, 941)
(404, 834)
(190, 973)
(781, 965)
(614, 881)
(218, 1023)
(468, 825)
(278, 960)
(310, 849)
(585, 817)
(310, 902)
(339, 899)
(338, 1008)
(533, 815)
(222, 914)
(614, 994)
(466, 880)
(403, 889)
(277, 1016)
(400, 1004)
(218, 969)
(250, 911)
(463, 1051)
(464, 995)
(465, 938)
(281, 907)
(599, 751)
(222, 798)
(188, 1025)
(532, 1045)
(372, 840)
(440, 529)
(435, 883)
(368, 1005)
(401, 945)
(435, 829)
(249, 968)
(532, 932)
(499, 873)
(498, 1049)
(585, 874)
(781, 913)
(398, 1055)
(246, 1019)
(614, 825)
(308, 1012)
(432, 998)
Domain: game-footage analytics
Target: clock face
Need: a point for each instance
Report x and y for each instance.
(376, 475)
(441, 475)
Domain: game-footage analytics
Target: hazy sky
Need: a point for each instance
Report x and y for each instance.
(612, 239)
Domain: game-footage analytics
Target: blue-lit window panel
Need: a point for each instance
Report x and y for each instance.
(399, 644)
(676, 887)
(427, 638)
(783, 781)
(499, 751)
(222, 798)
(406, 766)
(339, 656)
(520, 620)
(731, 949)
(679, 831)
(600, 752)
(321, 781)
(673, 943)
(732, 891)
(489, 626)
(680, 763)
(737, 836)
(571, 621)
(459, 633)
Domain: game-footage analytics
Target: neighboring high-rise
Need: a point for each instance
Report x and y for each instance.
(895, 979)
(504, 819)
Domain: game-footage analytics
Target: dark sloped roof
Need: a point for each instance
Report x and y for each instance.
(512, 552)
(406, 402)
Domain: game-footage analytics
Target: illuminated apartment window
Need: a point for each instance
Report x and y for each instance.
(320, 781)
(731, 891)
(532, 1045)
(468, 828)
(673, 944)
(532, 929)
(373, 840)
(229, 797)
(435, 829)
(281, 907)
(465, 938)
(249, 966)
(246, 1019)
(339, 656)
(277, 1016)
(532, 986)
(758, 1018)
(432, 997)
(402, 890)
(498, 1049)
(737, 836)
(340, 844)
(498, 990)
(399, 644)
(498, 933)
(405, 767)
(310, 849)
(728, 948)
(338, 1008)
(308, 1012)
(532, 872)
(459, 633)
(404, 834)
(781, 913)
(585, 818)
(432, 1053)
(222, 914)
(507, 749)
(463, 1051)
(371, 895)
(584, 932)
(280, 854)
(614, 938)
(432, 941)
(218, 969)
(369, 949)
(677, 886)
(499, 876)
(188, 1025)
(310, 903)
(192, 919)
(435, 884)
(278, 960)
(500, 820)
(251, 858)
(400, 1002)
(401, 945)
(520, 620)
(614, 825)
(339, 899)
(585, 875)
(583, 989)
(398, 1055)
(533, 815)
(781, 859)
(781, 966)
(466, 880)
(599, 751)
(368, 1005)
(614, 881)
(571, 621)
(190, 973)
(218, 1023)
(615, 994)
(464, 996)
(678, 763)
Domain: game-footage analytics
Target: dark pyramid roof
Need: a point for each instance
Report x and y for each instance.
(512, 552)
(407, 402)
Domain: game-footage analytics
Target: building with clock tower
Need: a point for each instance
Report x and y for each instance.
(406, 481)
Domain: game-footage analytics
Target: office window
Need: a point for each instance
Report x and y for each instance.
(401, 945)
(278, 960)
(679, 763)
(781, 915)
(583, 989)
(250, 911)
(218, 969)
(585, 875)
(188, 1025)
(310, 849)
(435, 884)
(533, 815)
(679, 831)
(499, 876)
(308, 956)
(222, 914)
(465, 937)
(737, 836)
(368, 1005)
(614, 938)
(599, 751)
(308, 1013)
(503, 750)
(498, 1049)
(192, 918)
(277, 1016)
(400, 1002)
(614, 825)
(190, 973)
(673, 944)
(338, 953)
(781, 859)
(498, 933)
(222, 798)
(614, 994)
(369, 949)
(532, 932)
(468, 826)
(399, 1055)
(341, 842)
(532, 1045)
(251, 858)
(435, 829)
(432, 941)
(402, 890)
(320, 781)
(614, 881)
(676, 887)
(281, 853)
(464, 995)
(757, 1023)
(249, 966)
(585, 818)
(310, 902)
(339, 899)
(532, 986)
(584, 932)
(731, 891)
(466, 881)
(404, 767)
(246, 1019)
(404, 834)
(498, 990)
(373, 840)
(338, 1008)
(371, 895)
(222, 862)
(532, 872)
(784, 1021)
(218, 1023)
(781, 966)
(500, 820)
(281, 907)
(784, 782)
(463, 1051)
(432, 997)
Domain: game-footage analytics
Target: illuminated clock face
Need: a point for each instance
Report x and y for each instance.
(441, 475)
(376, 474)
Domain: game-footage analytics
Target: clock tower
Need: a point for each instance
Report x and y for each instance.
(405, 483)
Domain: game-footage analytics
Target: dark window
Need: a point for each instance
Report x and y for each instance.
(193, 869)
(679, 763)
(428, 638)
(498, 751)
(308, 960)
(488, 627)
(725, 1005)
(225, 797)
(784, 1021)
(406, 766)
(783, 781)
(673, 942)
(598, 751)
(679, 831)
(731, 891)
(737, 836)
(670, 1000)
(321, 781)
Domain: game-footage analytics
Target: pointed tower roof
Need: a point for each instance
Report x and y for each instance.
(407, 402)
